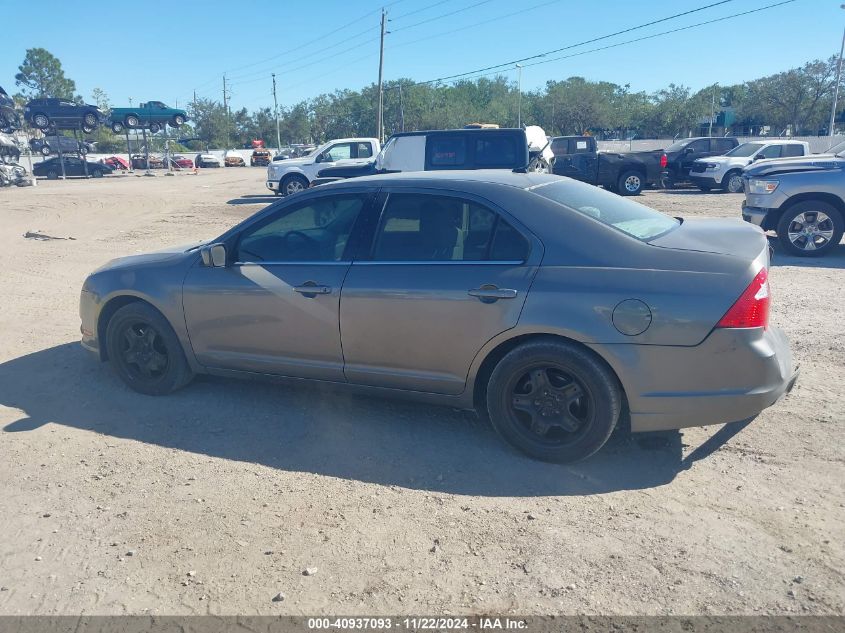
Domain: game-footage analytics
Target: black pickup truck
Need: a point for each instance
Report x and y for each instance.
(626, 173)
(678, 158)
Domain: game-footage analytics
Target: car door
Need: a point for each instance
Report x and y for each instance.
(274, 307)
(770, 151)
(695, 150)
(442, 275)
(67, 113)
(337, 154)
(73, 166)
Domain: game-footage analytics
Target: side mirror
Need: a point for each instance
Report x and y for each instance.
(213, 256)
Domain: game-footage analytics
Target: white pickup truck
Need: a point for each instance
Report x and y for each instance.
(291, 175)
(725, 172)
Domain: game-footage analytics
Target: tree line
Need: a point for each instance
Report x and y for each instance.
(796, 101)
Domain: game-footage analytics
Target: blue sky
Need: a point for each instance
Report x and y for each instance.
(324, 45)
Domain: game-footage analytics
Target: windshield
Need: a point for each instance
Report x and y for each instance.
(837, 149)
(746, 149)
(625, 215)
(383, 153)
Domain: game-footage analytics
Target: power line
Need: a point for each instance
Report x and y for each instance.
(444, 15)
(590, 41)
(431, 6)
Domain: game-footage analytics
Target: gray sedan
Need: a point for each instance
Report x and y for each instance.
(546, 304)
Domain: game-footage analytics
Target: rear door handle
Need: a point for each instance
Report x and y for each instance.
(310, 289)
(490, 293)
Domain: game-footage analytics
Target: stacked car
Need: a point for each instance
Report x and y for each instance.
(152, 115)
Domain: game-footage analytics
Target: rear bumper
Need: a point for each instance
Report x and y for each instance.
(732, 375)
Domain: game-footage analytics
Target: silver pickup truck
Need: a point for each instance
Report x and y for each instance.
(802, 200)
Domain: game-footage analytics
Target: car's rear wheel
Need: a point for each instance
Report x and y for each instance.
(117, 127)
(97, 173)
(83, 150)
(630, 183)
(810, 229)
(132, 121)
(732, 182)
(145, 351)
(90, 119)
(554, 401)
(45, 150)
(87, 129)
(155, 127)
(41, 121)
(293, 183)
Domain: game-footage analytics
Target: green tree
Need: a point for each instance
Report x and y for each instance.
(41, 75)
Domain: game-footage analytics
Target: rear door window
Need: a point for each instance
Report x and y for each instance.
(447, 151)
(772, 151)
(429, 228)
(363, 150)
(497, 150)
(793, 150)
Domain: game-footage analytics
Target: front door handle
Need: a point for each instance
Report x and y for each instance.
(310, 289)
(489, 293)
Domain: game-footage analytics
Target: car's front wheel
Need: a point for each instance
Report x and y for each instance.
(293, 183)
(90, 119)
(97, 173)
(178, 120)
(155, 127)
(41, 121)
(630, 184)
(810, 229)
(553, 400)
(145, 351)
(52, 175)
(117, 127)
(45, 150)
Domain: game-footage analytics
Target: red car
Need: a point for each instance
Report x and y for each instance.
(182, 162)
(115, 162)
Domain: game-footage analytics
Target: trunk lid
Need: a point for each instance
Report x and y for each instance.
(727, 236)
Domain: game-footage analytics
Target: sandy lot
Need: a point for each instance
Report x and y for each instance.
(217, 498)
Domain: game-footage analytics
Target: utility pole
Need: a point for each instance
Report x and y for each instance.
(712, 110)
(380, 122)
(401, 107)
(519, 98)
(276, 110)
(836, 87)
(226, 110)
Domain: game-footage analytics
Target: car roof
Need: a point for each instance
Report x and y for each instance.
(487, 131)
(449, 178)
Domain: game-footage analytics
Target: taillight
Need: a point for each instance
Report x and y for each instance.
(664, 160)
(752, 307)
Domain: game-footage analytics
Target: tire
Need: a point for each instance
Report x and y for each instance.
(83, 150)
(576, 412)
(87, 129)
(810, 229)
(732, 182)
(117, 127)
(668, 181)
(97, 173)
(145, 352)
(52, 175)
(90, 119)
(630, 183)
(132, 120)
(155, 127)
(41, 121)
(293, 183)
(178, 120)
(45, 150)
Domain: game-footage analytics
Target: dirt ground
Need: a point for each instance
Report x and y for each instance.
(219, 497)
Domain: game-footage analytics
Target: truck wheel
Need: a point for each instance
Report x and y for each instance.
(732, 182)
(630, 183)
(155, 127)
(45, 150)
(87, 129)
(132, 120)
(117, 127)
(294, 183)
(810, 229)
(90, 119)
(178, 120)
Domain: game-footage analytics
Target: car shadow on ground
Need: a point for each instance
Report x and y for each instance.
(323, 430)
(254, 199)
(692, 192)
(834, 259)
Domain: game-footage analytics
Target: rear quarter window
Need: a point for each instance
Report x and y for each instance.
(447, 151)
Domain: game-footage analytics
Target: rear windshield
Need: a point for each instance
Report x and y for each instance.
(622, 214)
